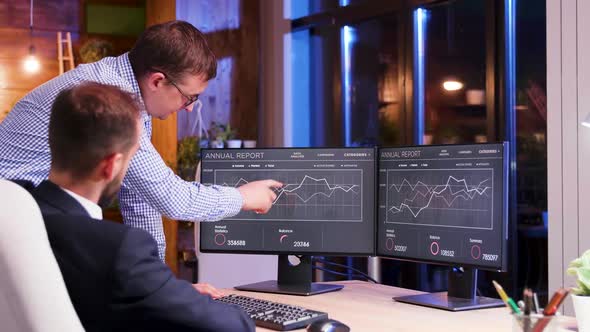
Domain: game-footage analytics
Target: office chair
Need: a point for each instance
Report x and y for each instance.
(33, 296)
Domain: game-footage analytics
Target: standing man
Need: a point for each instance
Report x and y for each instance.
(167, 69)
(113, 274)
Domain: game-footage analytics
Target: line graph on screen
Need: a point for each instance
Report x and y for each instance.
(440, 197)
(307, 194)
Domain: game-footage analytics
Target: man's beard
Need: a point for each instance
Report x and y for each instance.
(109, 193)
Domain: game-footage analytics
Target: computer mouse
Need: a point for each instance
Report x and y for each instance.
(328, 325)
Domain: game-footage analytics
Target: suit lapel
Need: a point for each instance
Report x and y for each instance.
(57, 198)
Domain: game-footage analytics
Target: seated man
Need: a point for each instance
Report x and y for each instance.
(112, 272)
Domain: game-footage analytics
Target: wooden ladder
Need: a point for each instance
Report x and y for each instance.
(69, 56)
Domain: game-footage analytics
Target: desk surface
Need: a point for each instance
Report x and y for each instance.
(368, 307)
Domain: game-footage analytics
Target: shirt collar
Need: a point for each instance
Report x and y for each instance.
(126, 71)
(92, 208)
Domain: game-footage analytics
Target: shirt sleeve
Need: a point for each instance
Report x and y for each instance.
(154, 182)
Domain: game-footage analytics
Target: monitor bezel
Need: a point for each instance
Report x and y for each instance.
(503, 266)
(304, 253)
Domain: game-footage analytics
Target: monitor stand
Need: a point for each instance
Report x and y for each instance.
(292, 280)
(461, 295)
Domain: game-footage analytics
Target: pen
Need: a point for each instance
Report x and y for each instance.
(542, 324)
(530, 307)
(551, 309)
(528, 301)
(555, 302)
(509, 302)
(536, 306)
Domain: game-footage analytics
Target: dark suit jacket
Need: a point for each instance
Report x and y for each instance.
(116, 280)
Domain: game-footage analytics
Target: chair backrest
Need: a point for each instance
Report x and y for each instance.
(33, 296)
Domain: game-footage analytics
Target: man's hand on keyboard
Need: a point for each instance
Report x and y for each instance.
(207, 289)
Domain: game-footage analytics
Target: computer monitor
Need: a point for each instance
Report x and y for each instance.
(447, 205)
(326, 207)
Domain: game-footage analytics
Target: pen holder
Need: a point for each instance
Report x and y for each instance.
(540, 323)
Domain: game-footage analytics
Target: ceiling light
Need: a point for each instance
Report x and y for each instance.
(452, 85)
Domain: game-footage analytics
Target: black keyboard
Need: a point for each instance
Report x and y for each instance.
(274, 315)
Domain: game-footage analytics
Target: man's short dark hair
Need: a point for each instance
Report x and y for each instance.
(88, 123)
(175, 48)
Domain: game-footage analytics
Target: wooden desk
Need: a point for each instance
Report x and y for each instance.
(368, 307)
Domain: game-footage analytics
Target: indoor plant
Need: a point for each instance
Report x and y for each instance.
(221, 133)
(188, 157)
(95, 49)
(580, 268)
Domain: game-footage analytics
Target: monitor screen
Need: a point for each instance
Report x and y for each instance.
(444, 204)
(326, 206)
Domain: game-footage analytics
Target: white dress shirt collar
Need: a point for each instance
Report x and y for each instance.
(92, 208)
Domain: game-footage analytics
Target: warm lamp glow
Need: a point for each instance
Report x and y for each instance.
(31, 64)
(452, 85)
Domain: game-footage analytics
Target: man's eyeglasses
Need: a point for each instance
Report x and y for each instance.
(189, 99)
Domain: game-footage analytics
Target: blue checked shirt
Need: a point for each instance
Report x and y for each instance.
(150, 189)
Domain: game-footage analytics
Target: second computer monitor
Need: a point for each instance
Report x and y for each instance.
(444, 204)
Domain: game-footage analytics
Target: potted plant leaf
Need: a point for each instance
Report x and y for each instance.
(230, 137)
(216, 135)
(221, 134)
(188, 157)
(95, 49)
(580, 268)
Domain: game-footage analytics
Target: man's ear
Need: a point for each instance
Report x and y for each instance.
(110, 166)
(154, 80)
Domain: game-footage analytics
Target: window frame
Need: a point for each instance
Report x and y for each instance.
(500, 77)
